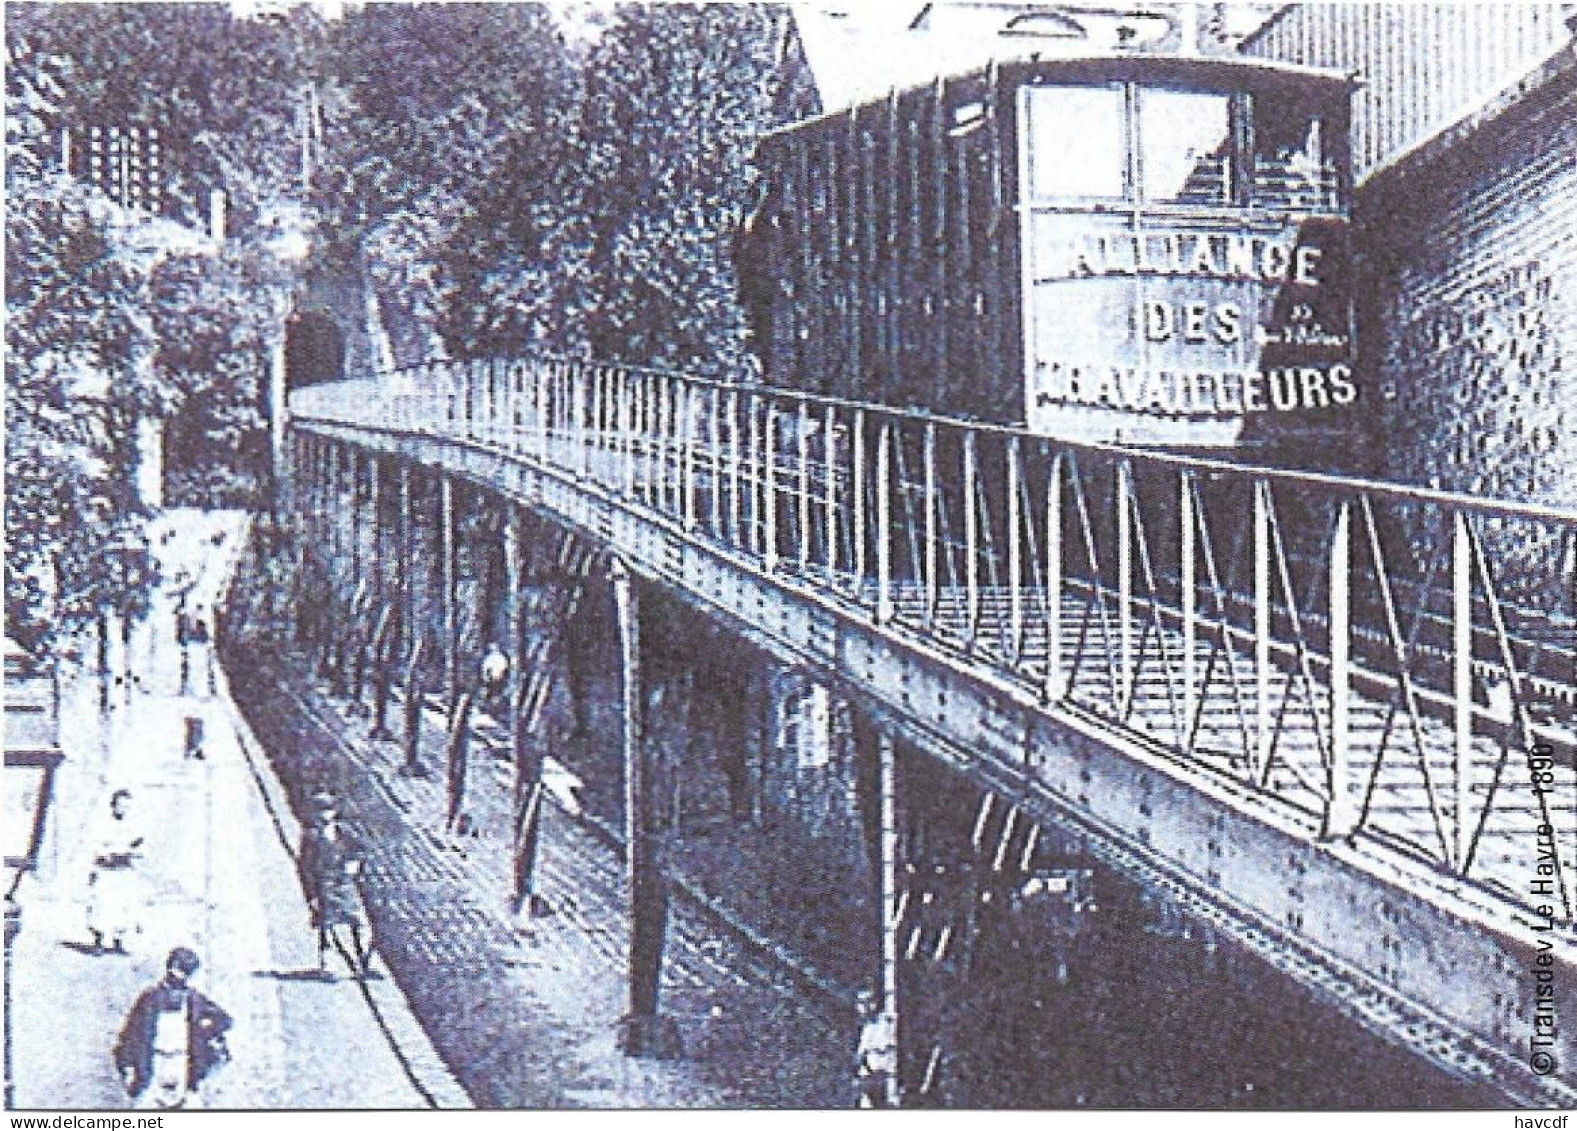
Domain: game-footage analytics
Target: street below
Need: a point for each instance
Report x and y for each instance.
(213, 873)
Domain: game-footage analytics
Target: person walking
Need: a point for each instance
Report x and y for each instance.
(493, 677)
(198, 633)
(876, 1057)
(115, 887)
(330, 864)
(173, 1039)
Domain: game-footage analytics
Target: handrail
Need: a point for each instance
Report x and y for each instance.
(1337, 644)
(1379, 487)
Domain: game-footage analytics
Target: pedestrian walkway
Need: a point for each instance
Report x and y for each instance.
(527, 1013)
(215, 874)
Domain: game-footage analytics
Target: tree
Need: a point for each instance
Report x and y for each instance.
(98, 338)
(224, 93)
(214, 325)
(443, 136)
(509, 201)
(76, 337)
(676, 97)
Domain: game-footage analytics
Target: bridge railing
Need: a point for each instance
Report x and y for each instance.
(1397, 662)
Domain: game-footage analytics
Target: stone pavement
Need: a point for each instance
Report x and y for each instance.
(215, 875)
(526, 1013)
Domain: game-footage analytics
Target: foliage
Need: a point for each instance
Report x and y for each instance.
(509, 199)
(676, 97)
(35, 86)
(214, 323)
(75, 339)
(507, 187)
(443, 138)
(224, 93)
(85, 308)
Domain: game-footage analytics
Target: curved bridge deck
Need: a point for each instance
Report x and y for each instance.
(1210, 662)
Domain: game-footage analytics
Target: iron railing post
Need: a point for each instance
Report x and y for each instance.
(673, 489)
(640, 464)
(689, 396)
(769, 488)
(576, 430)
(1261, 564)
(539, 400)
(627, 416)
(1341, 817)
(1125, 673)
(804, 485)
(832, 494)
(932, 580)
(857, 466)
(734, 467)
(715, 457)
(677, 434)
(971, 542)
(884, 557)
(1462, 683)
(662, 446)
(1187, 599)
(1015, 551)
(1054, 688)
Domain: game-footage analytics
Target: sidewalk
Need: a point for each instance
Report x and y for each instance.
(217, 877)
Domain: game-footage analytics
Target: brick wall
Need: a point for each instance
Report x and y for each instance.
(1468, 319)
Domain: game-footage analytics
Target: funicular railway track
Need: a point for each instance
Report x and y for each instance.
(1221, 651)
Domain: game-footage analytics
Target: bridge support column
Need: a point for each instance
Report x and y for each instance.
(451, 612)
(528, 750)
(458, 750)
(887, 779)
(643, 1031)
(417, 585)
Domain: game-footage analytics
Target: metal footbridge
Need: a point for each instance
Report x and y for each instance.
(1338, 716)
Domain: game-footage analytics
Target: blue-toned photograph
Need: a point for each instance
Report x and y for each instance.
(922, 554)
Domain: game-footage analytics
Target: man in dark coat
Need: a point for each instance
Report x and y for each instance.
(173, 1038)
(330, 863)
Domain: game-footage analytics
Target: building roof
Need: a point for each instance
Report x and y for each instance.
(857, 52)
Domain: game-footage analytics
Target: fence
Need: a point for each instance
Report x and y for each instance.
(1401, 663)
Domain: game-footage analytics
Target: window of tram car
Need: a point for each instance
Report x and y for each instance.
(1185, 147)
(1077, 146)
(1296, 154)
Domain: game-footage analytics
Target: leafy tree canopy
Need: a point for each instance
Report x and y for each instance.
(224, 93)
(509, 190)
(676, 97)
(445, 128)
(101, 335)
(75, 337)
